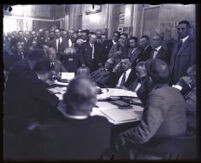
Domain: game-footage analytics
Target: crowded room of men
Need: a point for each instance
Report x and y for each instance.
(99, 82)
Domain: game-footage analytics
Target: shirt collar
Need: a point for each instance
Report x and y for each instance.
(184, 39)
(113, 42)
(158, 48)
(79, 117)
(128, 71)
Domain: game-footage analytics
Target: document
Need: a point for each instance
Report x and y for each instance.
(68, 75)
(121, 92)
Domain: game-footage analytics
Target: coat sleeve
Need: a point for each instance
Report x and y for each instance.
(152, 119)
(39, 92)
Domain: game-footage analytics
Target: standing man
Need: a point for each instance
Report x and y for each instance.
(119, 50)
(90, 53)
(58, 43)
(183, 52)
(158, 50)
(144, 43)
(107, 44)
(134, 52)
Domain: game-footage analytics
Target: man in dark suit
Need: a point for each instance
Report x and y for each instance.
(107, 44)
(142, 84)
(59, 43)
(183, 52)
(124, 78)
(119, 50)
(164, 116)
(90, 54)
(79, 136)
(102, 75)
(144, 43)
(158, 50)
(35, 104)
(134, 52)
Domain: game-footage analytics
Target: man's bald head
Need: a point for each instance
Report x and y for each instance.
(159, 71)
(80, 96)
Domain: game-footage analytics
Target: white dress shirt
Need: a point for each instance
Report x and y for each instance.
(114, 42)
(58, 40)
(156, 51)
(127, 75)
(92, 46)
(184, 39)
(70, 43)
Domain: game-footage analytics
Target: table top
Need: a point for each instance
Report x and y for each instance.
(114, 105)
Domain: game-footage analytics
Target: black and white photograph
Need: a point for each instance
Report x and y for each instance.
(99, 82)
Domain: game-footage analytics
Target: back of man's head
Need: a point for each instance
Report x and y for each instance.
(42, 66)
(80, 96)
(159, 71)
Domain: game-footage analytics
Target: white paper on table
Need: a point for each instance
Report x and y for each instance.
(68, 75)
(118, 116)
(121, 92)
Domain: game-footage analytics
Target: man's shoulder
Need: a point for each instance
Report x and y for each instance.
(100, 120)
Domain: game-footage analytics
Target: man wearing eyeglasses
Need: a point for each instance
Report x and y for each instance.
(183, 52)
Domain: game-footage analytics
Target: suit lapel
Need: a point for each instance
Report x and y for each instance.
(183, 46)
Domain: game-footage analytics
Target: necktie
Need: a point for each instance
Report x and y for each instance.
(123, 80)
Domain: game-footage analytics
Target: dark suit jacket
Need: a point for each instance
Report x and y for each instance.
(106, 46)
(72, 139)
(146, 53)
(182, 59)
(63, 45)
(135, 55)
(114, 78)
(35, 102)
(162, 54)
(86, 55)
(164, 116)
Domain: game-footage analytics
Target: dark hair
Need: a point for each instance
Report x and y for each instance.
(125, 34)
(85, 31)
(185, 22)
(42, 66)
(133, 38)
(117, 33)
(159, 71)
(145, 36)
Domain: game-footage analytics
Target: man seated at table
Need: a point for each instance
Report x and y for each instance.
(55, 64)
(187, 86)
(35, 104)
(79, 136)
(164, 116)
(102, 75)
(142, 84)
(123, 78)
